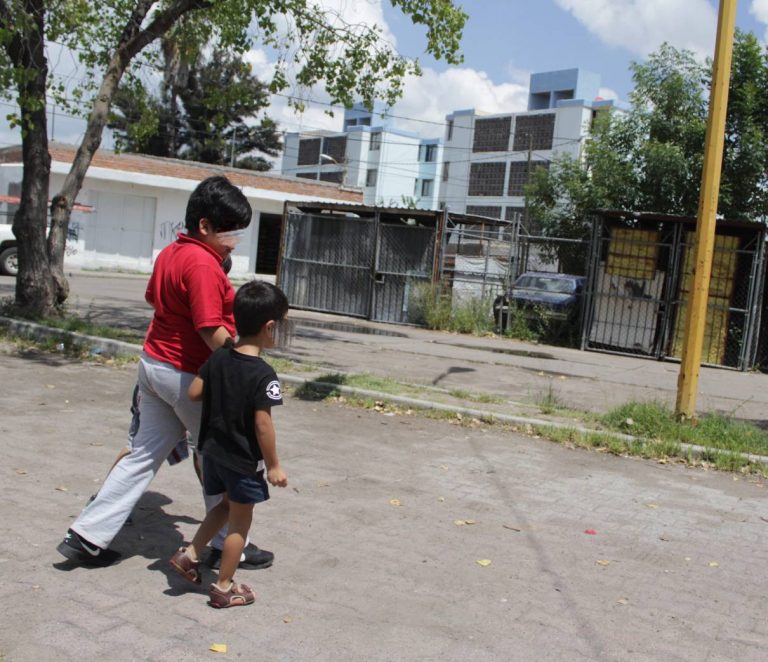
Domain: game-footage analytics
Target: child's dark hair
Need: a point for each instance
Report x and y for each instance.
(221, 202)
(256, 303)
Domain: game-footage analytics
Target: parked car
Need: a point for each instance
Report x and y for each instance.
(9, 262)
(541, 295)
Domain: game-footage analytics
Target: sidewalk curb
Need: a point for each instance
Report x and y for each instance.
(693, 449)
(95, 344)
(114, 348)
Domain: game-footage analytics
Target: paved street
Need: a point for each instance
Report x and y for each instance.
(675, 569)
(521, 374)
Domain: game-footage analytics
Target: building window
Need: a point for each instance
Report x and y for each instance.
(309, 152)
(534, 132)
(449, 130)
(482, 210)
(337, 177)
(335, 147)
(486, 179)
(364, 121)
(430, 152)
(307, 175)
(426, 187)
(446, 170)
(375, 141)
(518, 175)
(370, 177)
(492, 135)
(514, 213)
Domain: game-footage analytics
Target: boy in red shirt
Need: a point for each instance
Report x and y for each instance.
(193, 301)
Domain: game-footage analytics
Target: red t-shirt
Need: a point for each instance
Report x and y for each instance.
(189, 291)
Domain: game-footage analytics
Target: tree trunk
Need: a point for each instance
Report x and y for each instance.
(34, 291)
(132, 41)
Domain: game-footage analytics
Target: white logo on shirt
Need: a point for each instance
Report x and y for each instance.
(273, 390)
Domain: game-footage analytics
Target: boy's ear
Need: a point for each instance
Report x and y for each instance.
(204, 227)
(270, 327)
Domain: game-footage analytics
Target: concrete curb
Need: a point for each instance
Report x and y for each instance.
(96, 345)
(117, 348)
(693, 449)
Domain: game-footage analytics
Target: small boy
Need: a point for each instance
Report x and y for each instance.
(237, 439)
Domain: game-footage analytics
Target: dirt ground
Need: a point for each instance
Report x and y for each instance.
(377, 542)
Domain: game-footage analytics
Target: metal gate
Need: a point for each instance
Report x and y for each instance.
(641, 273)
(368, 267)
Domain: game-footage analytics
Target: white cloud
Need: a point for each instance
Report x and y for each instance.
(435, 94)
(759, 9)
(640, 26)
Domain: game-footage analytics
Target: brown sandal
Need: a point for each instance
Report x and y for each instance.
(238, 595)
(186, 567)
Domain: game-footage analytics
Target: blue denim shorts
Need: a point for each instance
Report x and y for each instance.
(239, 487)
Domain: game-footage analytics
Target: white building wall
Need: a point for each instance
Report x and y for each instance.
(457, 153)
(132, 221)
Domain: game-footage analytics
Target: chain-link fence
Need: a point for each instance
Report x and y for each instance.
(640, 280)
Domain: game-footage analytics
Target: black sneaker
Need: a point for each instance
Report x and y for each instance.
(252, 558)
(78, 549)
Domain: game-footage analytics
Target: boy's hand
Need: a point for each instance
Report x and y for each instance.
(276, 477)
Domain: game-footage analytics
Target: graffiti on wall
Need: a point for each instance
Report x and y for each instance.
(169, 230)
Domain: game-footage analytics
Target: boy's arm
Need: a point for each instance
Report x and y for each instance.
(265, 435)
(195, 390)
(214, 336)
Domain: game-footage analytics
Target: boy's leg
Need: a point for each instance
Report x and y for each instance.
(240, 517)
(160, 429)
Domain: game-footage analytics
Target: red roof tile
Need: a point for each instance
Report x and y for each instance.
(156, 165)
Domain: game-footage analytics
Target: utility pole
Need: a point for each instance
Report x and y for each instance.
(696, 315)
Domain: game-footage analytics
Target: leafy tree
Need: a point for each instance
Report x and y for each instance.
(217, 94)
(650, 158)
(313, 45)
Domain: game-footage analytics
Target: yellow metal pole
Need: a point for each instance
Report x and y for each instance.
(696, 317)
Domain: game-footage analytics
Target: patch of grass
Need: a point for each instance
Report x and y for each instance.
(63, 346)
(88, 328)
(549, 402)
(658, 422)
(281, 365)
(486, 398)
(436, 308)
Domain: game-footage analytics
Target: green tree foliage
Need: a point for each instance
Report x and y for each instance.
(217, 95)
(650, 158)
(312, 45)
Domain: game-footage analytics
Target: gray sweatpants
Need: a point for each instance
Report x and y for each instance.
(166, 414)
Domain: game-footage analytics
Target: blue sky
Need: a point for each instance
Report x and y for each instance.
(504, 42)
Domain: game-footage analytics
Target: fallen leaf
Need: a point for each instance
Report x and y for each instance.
(458, 522)
(652, 505)
(287, 619)
(96, 443)
(603, 562)
(687, 558)
(469, 521)
(511, 528)
(50, 386)
(443, 466)
(218, 648)
(61, 488)
(713, 564)
(622, 601)
(562, 377)
(395, 502)
(483, 562)
(21, 472)
(590, 532)
(540, 373)
(441, 499)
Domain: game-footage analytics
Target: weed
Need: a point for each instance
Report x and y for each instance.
(486, 398)
(550, 402)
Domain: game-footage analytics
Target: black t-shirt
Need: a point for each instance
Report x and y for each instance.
(235, 386)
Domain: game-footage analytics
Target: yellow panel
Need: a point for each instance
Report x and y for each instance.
(632, 253)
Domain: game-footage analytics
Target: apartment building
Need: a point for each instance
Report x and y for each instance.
(488, 159)
(392, 167)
